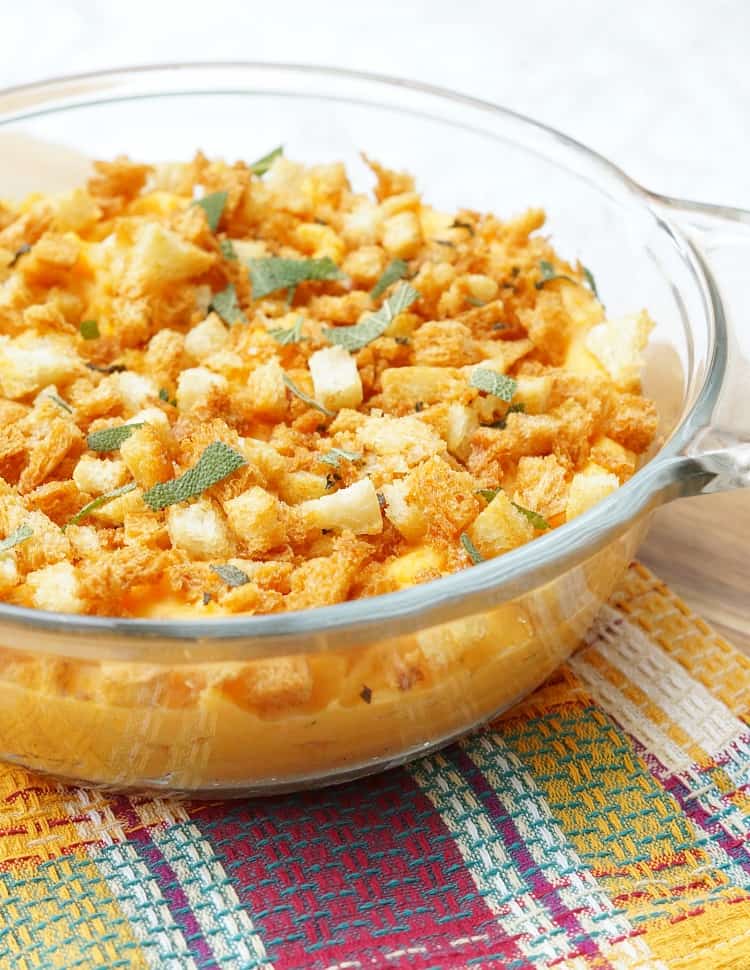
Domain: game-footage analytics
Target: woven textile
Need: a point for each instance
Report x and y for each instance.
(603, 823)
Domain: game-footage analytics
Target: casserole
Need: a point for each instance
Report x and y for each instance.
(174, 704)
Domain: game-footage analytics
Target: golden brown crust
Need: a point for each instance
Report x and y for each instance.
(106, 317)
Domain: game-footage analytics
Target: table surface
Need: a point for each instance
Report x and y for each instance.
(661, 89)
(700, 547)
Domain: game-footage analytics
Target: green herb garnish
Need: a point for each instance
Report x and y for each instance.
(375, 324)
(21, 534)
(589, 276)
(395, 270)
(537, 520)
(106, 369)
(59, 402)
(99, 501)
(89, 329)
(263, 164)
(289, 335)
(474, 554)
(549, 273)
(21, 251)
(225, 304)
(216, 463)
(513, 409)
(231, 575)
(227, 249)
(500, 385)
(275, 273)
(336, 455)
(213, 205)
(310, 401)
(110, 439)
(164, 396)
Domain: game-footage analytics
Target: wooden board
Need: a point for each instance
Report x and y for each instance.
(701, 548)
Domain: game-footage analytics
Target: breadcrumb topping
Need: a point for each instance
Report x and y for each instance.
(404, 391)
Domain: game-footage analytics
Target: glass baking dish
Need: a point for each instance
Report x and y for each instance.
(254, 705)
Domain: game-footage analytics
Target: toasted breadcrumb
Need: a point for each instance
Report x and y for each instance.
(365, 461)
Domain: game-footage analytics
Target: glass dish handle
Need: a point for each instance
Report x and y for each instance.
(721, 239)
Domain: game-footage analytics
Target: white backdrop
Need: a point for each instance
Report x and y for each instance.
(661, 87)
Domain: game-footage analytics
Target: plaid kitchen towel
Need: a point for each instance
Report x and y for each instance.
(600, 825)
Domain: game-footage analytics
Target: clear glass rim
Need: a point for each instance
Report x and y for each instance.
(499, 579)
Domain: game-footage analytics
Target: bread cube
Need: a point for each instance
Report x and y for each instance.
(53, 253)
(362, 226)
(84, 539)
(365, 264)
(503, 354)
(335, 378)
(8, 572)
(228, 363)
(135, 389)
(461, 424)
(500, 528)
(48, 543)
(445, 495)
(99, 475)
(74, 211)
(206, 338)
(402, 235)
(618, 345)
(266, 385)
(265, 458)
(196, 384)
(481, 287)
(410, 201)
(158, 256)
(444, 343)
(29, 363)
(613, 457)
(406, 438)
(301, 486)
(355, 508)
(200, 530)
(56, 588)
(250, 249)
(426, 562)
(153, 416)
(404, 387)
(533, 393)
(320, 241)
(582, 307)
(256, 517)
(144, 454)
(589, 487)
(541, 485)
(633, 422)
(284, 183)
(113, 513)
(408, 518)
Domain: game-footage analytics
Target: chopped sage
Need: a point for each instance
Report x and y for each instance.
(217, 462)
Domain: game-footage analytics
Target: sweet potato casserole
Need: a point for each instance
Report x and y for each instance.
(247, 388)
